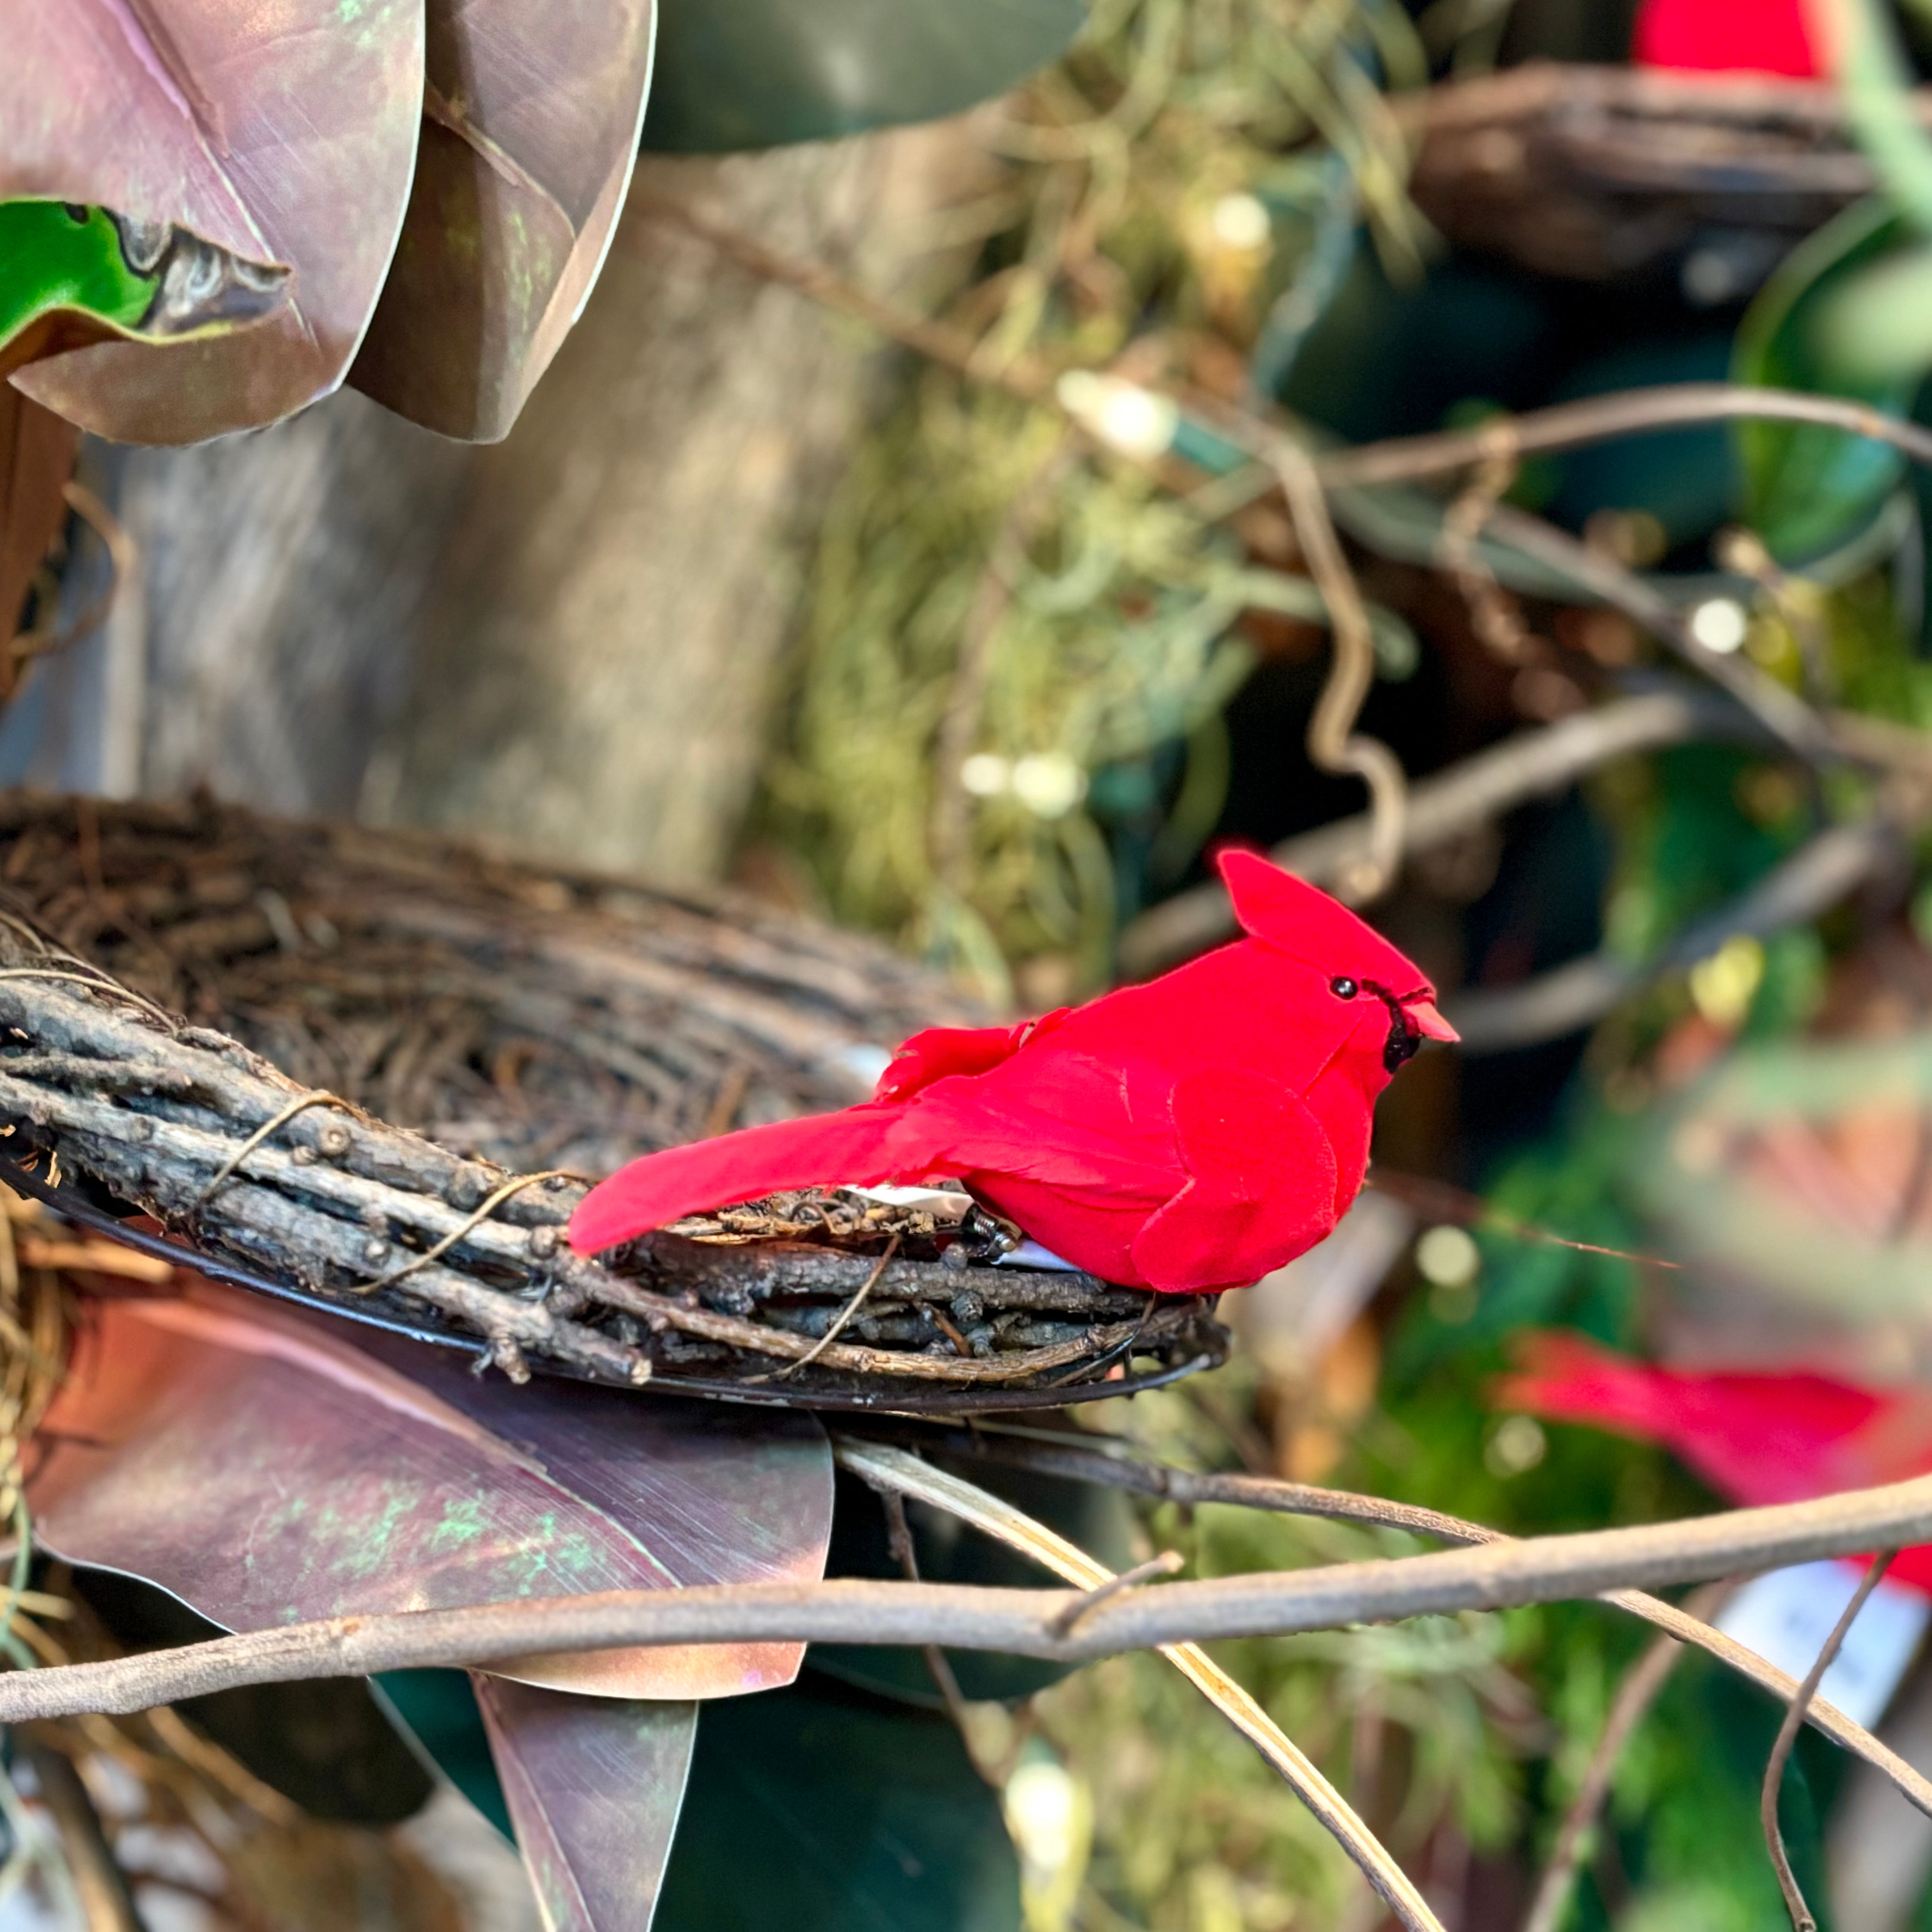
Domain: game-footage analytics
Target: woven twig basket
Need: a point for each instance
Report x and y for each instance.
(217, 1019)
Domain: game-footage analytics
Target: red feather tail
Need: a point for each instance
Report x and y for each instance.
(818, 1150)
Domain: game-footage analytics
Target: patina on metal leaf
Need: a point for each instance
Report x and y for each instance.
(594, 1785)
(282, 135)
(529, 132)
(265, 1470)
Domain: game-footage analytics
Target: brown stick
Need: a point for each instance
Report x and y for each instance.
(1187, 1486)
(1645, 412)
(1801, 1920)
(1531, 764)
(1822, 872)
(1024, 376)
(1491, 1577)
(100, 1886)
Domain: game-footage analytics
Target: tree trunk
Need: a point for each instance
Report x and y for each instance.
(596, 668)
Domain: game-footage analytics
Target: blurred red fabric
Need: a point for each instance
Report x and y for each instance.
(1727, 36)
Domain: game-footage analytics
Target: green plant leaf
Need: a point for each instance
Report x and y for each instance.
(72, 276)
(279, 135)
(757, 73)
(529, 132)
(1805, 487)
(820, 1809)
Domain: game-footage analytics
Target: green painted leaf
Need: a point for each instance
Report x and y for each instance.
(71, 276)
(280, 134)
(1807, 488)
(756, 73)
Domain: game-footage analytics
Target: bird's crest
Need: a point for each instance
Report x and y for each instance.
(1303, 921)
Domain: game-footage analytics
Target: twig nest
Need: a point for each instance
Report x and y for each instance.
(474, 988)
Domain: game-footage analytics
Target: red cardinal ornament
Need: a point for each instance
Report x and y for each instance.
(1188, 1135)
(1754, 1438)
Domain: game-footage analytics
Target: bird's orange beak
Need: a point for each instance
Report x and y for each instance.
(1427, 1021)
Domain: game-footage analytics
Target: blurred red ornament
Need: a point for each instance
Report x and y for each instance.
(1754, 1438)
(1727, 37)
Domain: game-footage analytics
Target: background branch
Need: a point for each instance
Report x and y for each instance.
(1635, 1695)
(1189, 1486)
(1825, 870)
(1643, 412)
(1531, 764)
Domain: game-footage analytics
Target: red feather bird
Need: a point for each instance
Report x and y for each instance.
(1187, 1134)
(1754, 1438)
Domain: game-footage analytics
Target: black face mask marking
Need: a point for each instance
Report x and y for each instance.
(1404, 1042)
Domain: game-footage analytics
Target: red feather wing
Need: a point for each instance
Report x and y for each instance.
(820, 1150)
(1260, 1185)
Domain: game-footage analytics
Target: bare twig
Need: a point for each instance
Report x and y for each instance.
(1405, 459)
(1162, 1480)
(940, 341)
(899, 1543)
(1334, 744)
(100, 1885)
(1635, 1695)
(1782, 713)
(1168, 1563)
(844, 1316)
(1531, 764)
(1493, 1577)
(123, 566)
(886, 1467)
(1801, 1920)
(1815, 877)
(1604, 418)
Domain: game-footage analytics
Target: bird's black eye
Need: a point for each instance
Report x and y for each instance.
(1343, 989)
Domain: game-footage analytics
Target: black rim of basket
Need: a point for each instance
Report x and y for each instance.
(891, 1397)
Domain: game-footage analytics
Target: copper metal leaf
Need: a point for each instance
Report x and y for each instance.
(283, 134)
(36, 453)
(529, 132)
(266, 1470)
(594, 1785)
